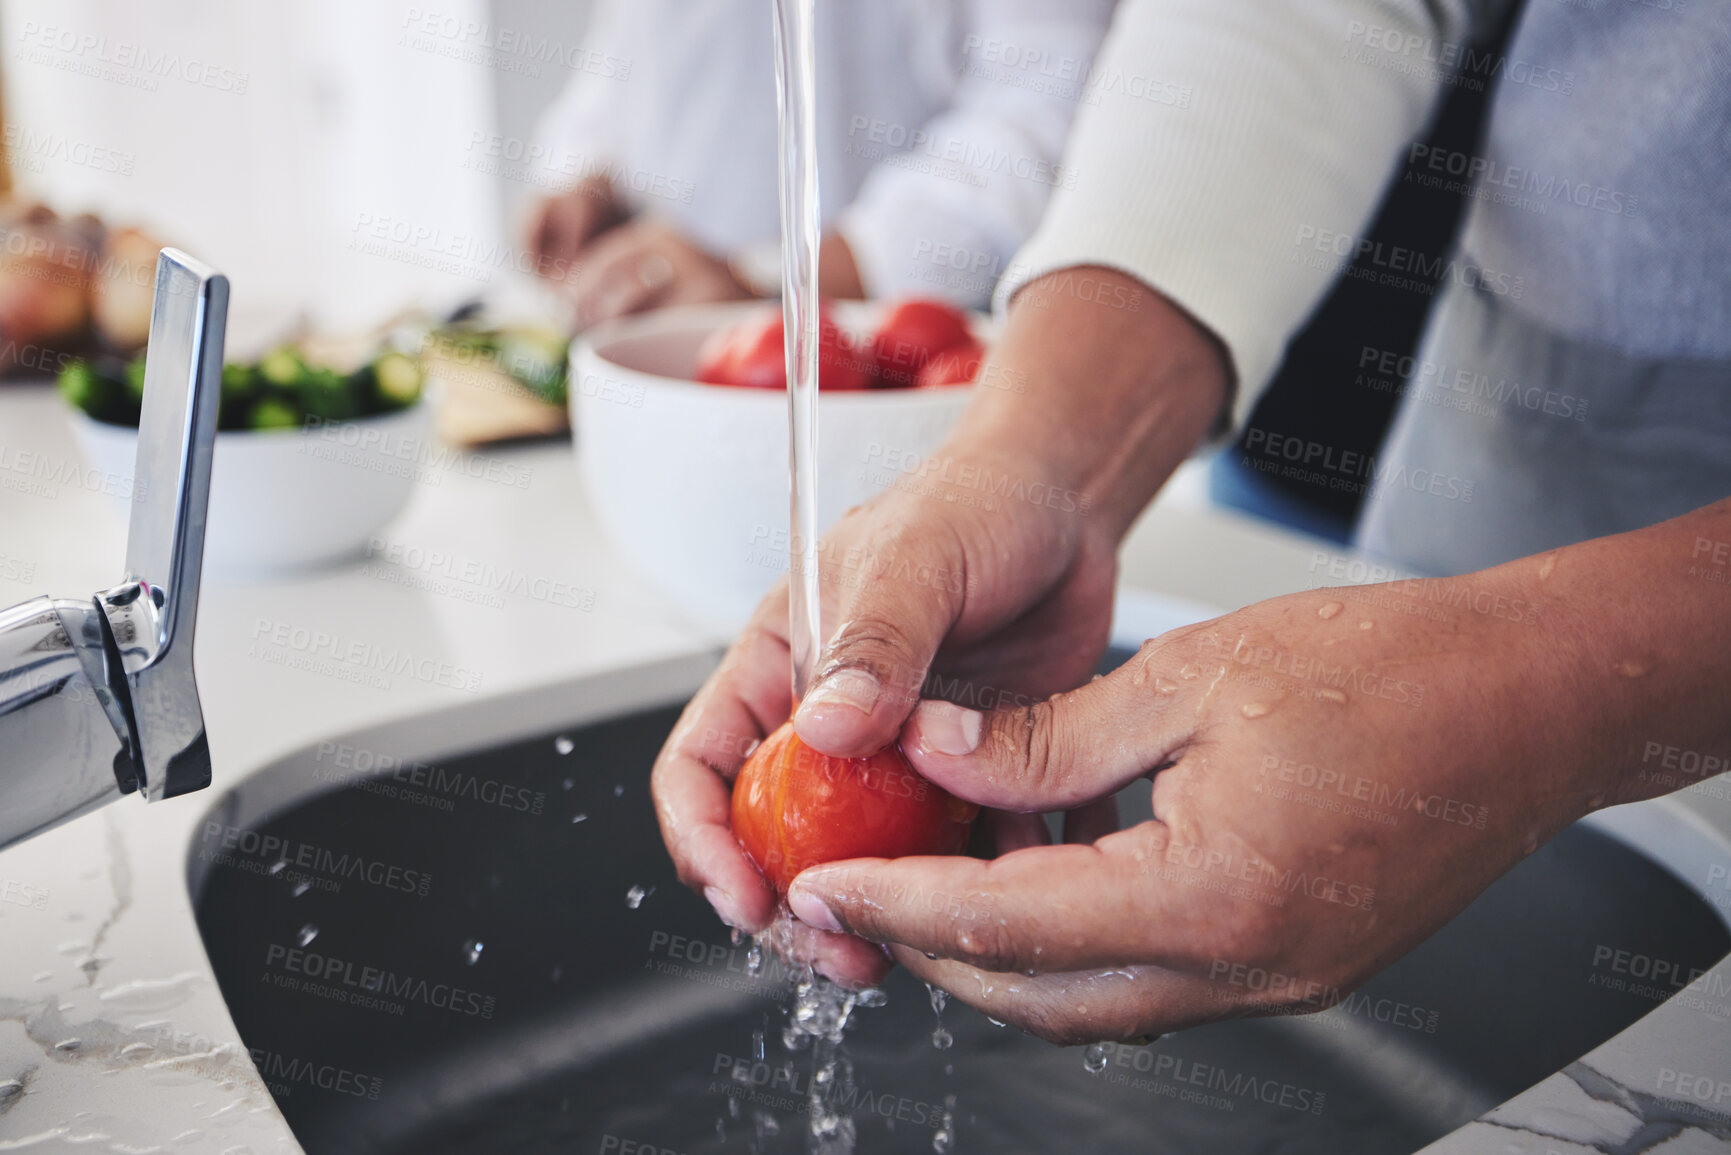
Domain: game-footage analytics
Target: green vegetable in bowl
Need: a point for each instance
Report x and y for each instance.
(281, 390)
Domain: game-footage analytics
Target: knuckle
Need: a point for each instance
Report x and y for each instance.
(882, 649)
(1028, 734)
(1245, 933)
(990, 946)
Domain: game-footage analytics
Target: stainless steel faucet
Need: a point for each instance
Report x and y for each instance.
(97, 697)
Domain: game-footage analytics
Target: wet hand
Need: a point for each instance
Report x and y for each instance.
(911, 581)
(1330, 783)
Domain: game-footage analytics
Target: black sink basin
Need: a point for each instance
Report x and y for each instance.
(479, 981)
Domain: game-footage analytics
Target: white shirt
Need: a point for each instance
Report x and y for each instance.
(941, 124)
(1288, 134)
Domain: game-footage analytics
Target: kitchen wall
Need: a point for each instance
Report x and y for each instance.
(322, 153)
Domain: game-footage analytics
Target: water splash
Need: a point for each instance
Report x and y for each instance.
(306, 934)
(635, 896)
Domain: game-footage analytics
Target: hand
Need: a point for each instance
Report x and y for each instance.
(904, 575)
(646, 264)
(1008, 603)
(1334, 778)
(561, 227)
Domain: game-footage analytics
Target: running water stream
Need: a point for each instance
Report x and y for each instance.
(796, 105)
(821, 1009)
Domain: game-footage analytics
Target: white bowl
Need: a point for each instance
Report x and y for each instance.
(288, 499)
(690, 481)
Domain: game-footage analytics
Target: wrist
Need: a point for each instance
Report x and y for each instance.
(1633, 652)
(1098, 386)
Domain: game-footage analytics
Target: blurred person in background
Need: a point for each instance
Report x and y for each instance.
(941, 124)
(1565, 435)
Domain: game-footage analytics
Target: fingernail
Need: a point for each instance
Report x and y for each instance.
(809, 909)
(855, 689)
(946, 728)
(724, 905)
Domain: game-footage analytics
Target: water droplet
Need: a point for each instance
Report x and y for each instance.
(1330, 694)
(472, 951)
(1253, 709)
(635, 896)
(944, 1139)
(1190, 672)
(930, 955)
(872, 997)
(618, 790)
(277, 867)
(306, 934)
(300, 888)
(1329, 610)
(940, 998)
(569, 783)
(757, 1045)
(68, 1044)
(721, 1124)
(996, 1022)
(1366, 625)
(576, 818)
(741, 1074)
(558, 972)
(564, 745)
(1596, 801)
(1631, 668)
(1162, 686)
(1094, 1058)
(1141, 674)
(1548, 566)
(942, 1039)
(754, 959)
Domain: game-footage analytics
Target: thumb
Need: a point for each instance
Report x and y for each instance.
(1057, 754)
(870, 674)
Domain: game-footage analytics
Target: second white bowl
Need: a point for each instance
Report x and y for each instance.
(290, 499)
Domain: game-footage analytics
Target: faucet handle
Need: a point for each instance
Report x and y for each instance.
(151, 615)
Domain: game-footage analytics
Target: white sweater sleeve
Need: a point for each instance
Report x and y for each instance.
(578, 134)
(971, 192)
(1227, 145)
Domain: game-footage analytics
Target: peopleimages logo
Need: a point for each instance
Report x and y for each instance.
(354, 983)
(284, 1072)
(228, 845)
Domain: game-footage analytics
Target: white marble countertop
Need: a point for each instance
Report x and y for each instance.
(113, 1035)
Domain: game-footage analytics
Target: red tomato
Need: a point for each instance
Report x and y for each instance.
(750, 354)
(794, 807)
(957, 365)
(912, 333)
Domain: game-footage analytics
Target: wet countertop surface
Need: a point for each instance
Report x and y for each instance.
(113, 1035)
